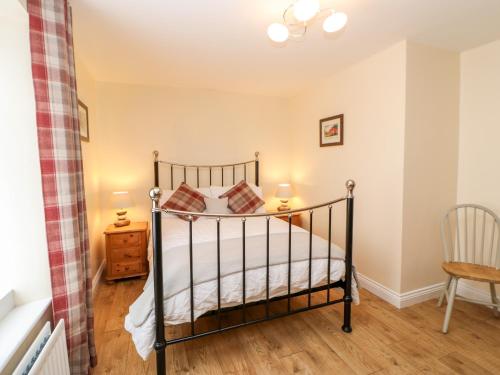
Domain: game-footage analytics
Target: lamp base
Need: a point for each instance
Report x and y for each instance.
(122, 223)
(122, 220)
(284, 206)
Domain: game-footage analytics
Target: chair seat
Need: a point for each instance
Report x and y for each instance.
(472, 271)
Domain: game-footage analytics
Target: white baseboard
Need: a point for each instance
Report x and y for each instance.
(97, 277)
(379, 290)
(420, 295)
(401, 300)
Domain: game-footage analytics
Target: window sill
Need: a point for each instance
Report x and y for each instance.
(17, 323)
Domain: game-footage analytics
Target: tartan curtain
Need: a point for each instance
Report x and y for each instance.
(53, 70)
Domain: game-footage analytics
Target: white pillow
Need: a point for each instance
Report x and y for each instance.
(205, 191)
(217, 191)
(217, 206)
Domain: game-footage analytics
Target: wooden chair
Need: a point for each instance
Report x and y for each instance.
(471, 243)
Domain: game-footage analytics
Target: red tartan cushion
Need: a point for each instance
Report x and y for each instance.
(185, 198)
(242, 199)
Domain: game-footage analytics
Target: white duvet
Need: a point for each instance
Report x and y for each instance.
(140, 321)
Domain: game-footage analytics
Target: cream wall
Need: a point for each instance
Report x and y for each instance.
(479, 147)
(371, 95)
(24, 262)
(91, 170)
(430, 162)
(185, 125)
(401, 134)
(479, 151)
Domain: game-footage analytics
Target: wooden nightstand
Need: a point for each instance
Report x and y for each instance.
(296, 219)
(126, 250)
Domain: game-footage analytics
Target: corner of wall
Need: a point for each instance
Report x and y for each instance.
(24, 4)
(430, 159)
(91, 167)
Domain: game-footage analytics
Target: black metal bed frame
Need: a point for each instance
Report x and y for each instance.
(155, 193)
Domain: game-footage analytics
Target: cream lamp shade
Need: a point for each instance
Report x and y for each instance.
(284, 192)
(121, 200)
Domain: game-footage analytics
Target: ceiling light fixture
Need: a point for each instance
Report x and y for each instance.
(297, 16)
(304, 10)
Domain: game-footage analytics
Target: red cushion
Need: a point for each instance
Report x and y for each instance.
(185, 198)
(242, 199)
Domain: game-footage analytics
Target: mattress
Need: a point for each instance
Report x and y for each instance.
(140, 321)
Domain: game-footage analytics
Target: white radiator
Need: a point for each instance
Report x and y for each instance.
(47, 355)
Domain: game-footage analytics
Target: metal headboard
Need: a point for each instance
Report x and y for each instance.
(207, 168)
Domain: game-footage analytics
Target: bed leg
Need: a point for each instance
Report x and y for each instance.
(160, 343)
(161, 361)
(346, 327)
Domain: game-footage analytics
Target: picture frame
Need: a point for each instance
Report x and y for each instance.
(331, 131)
(83, 116)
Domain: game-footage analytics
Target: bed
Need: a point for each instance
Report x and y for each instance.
(227, 261)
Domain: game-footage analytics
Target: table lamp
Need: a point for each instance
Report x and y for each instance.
(283, 193)
(121, 201)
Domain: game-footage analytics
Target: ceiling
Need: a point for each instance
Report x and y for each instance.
(222, 44)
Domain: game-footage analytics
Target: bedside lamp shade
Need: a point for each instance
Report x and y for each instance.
(120, 200)
(283, 193)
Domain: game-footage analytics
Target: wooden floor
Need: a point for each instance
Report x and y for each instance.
(384, 340)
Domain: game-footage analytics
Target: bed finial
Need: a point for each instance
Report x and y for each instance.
(155, 194)
(256, 155)
(155, 154)
(350, 185)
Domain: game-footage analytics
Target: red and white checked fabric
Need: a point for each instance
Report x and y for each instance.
(242, 199)
(53, 70)
(185, 198)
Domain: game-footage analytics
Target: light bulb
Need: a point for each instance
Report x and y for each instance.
(335, 22)
(277, 32)
(304, 10)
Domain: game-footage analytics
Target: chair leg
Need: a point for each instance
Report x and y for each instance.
(445, 292)
(494, 299)
(451, 299)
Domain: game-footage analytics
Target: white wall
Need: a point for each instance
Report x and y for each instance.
(23, 249)
(431, 151)
(371, 95)
(401, 131)
(479, 150)
(401, 136)
(185, 125)
(479, 141)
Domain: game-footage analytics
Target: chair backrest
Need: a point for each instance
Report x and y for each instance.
(471, 234)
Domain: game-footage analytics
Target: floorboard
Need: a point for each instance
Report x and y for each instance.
(384, 340)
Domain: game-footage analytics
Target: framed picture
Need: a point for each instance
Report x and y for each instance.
(331, 131)
(83, 116)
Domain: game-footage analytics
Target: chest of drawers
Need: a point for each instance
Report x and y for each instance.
(126, 250)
